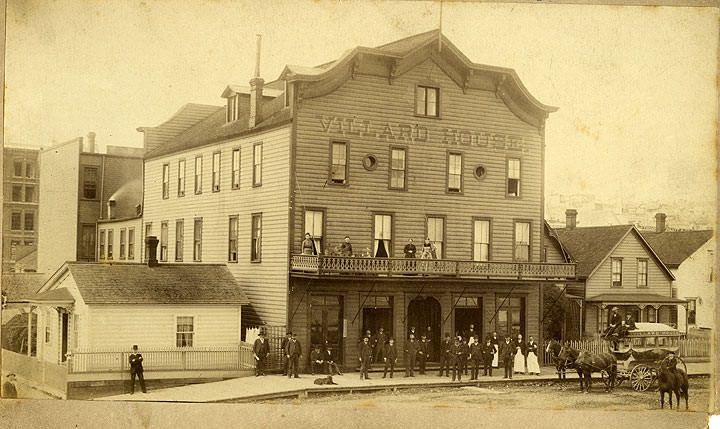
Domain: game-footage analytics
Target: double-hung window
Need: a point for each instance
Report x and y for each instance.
(398, 168)
(179, 236)
(454, 172)
(235, 180)
(163, 241)
(101, 245)
(197, 240)
(185, 330)
(216, 172)
(522, 241)
(90, 177)
(436, 234)
(166, 181)
(513, 177)
(131, 243)
(181, 178)
(481, 240)
(314, 225)
(257, 164)
(616, 267)
(382, 239)
(256, 237)
(110, 239)
(642, 273)
(198, 174)
(232, 239)
(123, 233)
(338, 163)
(426, 101)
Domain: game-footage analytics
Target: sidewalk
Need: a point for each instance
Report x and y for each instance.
(273, 386)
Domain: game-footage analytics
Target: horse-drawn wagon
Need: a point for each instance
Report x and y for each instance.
(641, 351)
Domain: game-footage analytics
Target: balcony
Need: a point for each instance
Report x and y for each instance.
(393, 267)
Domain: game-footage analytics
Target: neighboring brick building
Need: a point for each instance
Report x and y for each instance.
(20, 208)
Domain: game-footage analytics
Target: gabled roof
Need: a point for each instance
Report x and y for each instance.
(53, 296)
(165, 284)
(591, 246)
(18, 286)
(555, 241)
(674, 247)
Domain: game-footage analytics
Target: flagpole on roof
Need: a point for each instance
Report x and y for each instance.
(440, 29)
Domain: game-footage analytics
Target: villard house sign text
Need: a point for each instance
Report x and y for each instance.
(414, 133)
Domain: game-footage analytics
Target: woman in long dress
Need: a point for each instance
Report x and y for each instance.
(532, 357)
(496, 345)
(519, 366)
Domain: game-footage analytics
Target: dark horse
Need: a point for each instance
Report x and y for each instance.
(672, 380)
(554, 348)
(586, 363)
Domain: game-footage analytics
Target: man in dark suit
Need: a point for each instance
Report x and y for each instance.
(136, 369)
(329, 358)
(378, 342)
(390, 357)
(317, 361)
(445, 355)
(488, 352)
(261, 349)
(456, 357)
(423, 352)
(411, 351)
(507, 354)
(293, 351)
(476, 357)
(283, 345)
(364, 356)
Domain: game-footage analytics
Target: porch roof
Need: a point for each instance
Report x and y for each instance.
(17, 287)
(54, 296)
(635, 298)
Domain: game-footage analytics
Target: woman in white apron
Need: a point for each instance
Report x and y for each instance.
(519, 366)
(532, 357)
(495, 342)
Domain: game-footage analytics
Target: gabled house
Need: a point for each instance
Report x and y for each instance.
(690, 255)
(616, 267)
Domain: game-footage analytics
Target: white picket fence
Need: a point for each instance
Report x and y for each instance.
(689, 348)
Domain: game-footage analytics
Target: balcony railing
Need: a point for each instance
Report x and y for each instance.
(334, 265)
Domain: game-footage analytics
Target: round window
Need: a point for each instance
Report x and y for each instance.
(370, 162)
(479, 172)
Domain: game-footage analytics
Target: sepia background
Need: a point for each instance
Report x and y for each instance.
(635, 86)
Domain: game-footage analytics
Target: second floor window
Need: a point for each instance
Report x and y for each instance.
(338, 163)
(481, 240)
(232, 239)
(123, 234)
(642, 273)
(235, 168)
(454, 172)
(616, 265)
(382, 238)
(436, 234)
(216, 172)
(257, 164)
(181, 178)
(314, 225)
(522, 241)
(90, 176)
(198, 175)
(110, 242)
(397, 168)
(166, 181)
(163, 241)
(513, 177)
(179, 236)
(426, 101)
(256, 240)
(29, 221)
(197, 240)
(131, 243)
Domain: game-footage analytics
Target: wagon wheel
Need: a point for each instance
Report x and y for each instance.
(641, 378)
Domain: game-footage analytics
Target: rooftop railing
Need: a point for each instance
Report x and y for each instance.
(335, 265)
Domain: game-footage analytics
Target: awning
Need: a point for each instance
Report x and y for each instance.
(634, 298)
(59, 296)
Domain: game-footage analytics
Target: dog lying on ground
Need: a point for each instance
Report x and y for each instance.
(324, 380)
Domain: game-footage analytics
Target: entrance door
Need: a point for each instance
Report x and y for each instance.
(421, 313)
(64, 337)
(326, 324)
(466, 316)
(376, 318)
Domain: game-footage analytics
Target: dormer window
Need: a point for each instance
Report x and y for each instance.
(233, 110)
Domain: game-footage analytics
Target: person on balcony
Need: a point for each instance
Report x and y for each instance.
(136, 370)
(428, 250)
(308, 245)
(346, 247)
(409, 250)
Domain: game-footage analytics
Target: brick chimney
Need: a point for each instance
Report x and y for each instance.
(660, 222)
(256, 90)
(91, 142)
(570, 218)
(152, 244)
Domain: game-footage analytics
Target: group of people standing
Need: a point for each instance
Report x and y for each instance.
(427, 251)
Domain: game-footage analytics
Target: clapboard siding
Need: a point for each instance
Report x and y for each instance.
(350, 208)
(630, 249)
(121, 326)
(552, 253)
(265, 283)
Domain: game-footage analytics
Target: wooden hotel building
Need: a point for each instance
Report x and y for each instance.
(403, 141)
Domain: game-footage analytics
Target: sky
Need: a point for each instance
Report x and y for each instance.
(635, 86)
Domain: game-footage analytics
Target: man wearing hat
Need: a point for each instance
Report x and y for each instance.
(136, 369)
(507, 353)
(261, 349)
(615, 321)
(293, 351)
(445, 355)
(364, 356)
(283, 345)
